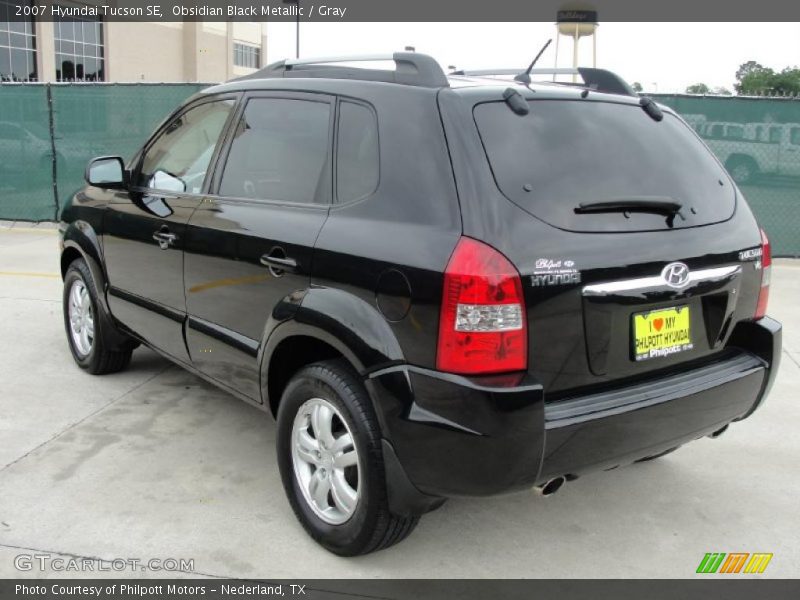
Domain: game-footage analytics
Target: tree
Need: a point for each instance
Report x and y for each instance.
(755, 79)
(787, 82)
(637, 87)
(698, 88)
(749, 68)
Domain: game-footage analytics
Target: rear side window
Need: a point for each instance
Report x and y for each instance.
(567, 152)
(279, 152)
(357, 160)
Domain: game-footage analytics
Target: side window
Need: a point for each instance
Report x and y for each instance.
(357, 158)
(775, 135)
(178, 160)
(279, 151)
(795, 136)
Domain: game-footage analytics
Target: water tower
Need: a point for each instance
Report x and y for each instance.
(576, 23)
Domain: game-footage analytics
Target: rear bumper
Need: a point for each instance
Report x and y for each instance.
(606, 430)
(456, 436)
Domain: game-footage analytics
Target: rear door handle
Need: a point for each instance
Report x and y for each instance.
(164, 238)
(278, 263)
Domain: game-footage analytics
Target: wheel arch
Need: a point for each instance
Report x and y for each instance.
(290, 354)
(79, 240)
(312, 335)
(80, 237)
(328, 323)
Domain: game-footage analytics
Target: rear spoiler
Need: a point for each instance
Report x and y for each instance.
(599, 80)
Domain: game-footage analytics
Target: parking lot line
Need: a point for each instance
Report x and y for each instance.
(47, 230)
(29, 274)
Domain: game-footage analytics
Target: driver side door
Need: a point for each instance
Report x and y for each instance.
(145, 225)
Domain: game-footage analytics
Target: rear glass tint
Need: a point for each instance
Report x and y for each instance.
(565, 152)
(357, 152)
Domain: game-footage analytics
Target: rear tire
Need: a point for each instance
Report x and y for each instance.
(87, 328)
(344, 508)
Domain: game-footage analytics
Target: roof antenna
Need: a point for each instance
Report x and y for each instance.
(526, 76)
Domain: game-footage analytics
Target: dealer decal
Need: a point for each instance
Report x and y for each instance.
(548, 271)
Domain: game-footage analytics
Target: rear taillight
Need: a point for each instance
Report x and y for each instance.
(766, 274)
(482, 327)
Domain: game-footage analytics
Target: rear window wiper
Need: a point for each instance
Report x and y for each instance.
(652, 204)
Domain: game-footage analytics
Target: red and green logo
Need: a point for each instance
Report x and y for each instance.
(734, 562)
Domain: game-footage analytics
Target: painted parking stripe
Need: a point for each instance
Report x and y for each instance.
(28, 230)
(29, 274)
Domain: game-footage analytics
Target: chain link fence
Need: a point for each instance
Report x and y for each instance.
(758, 141)
(49, 131)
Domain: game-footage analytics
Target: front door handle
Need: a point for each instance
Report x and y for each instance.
(164, 238)
(278, 263)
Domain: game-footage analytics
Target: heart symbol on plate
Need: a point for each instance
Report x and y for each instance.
(658, 324)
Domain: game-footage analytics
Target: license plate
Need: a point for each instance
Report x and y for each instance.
(661, 333)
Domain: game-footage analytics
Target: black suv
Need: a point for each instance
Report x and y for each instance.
(439, 285)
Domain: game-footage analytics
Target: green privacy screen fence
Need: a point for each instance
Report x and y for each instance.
(73, 123)
(758, 140)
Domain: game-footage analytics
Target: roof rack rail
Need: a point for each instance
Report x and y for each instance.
(599, 80)
(411, 68)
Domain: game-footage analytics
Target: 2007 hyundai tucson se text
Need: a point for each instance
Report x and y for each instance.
(440, 285)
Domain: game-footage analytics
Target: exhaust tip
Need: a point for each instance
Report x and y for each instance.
(719, 432)
(551, 487)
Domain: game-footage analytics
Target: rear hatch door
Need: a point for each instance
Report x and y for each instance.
(617, 293)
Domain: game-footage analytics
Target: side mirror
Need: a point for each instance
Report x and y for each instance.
(161, 180)
(106, 172)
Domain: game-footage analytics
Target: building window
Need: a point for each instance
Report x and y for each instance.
(79, 49)
(17, 45)
(245, 55)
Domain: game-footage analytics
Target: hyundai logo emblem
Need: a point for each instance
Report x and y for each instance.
(675, 274)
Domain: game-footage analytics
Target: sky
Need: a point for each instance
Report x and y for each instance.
(663, 57)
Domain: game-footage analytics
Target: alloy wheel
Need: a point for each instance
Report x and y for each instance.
(326, 462)
(81, 318)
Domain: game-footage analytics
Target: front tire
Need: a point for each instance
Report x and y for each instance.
(87, 328)
(331, 462)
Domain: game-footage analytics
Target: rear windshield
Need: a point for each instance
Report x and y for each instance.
(564, 152)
